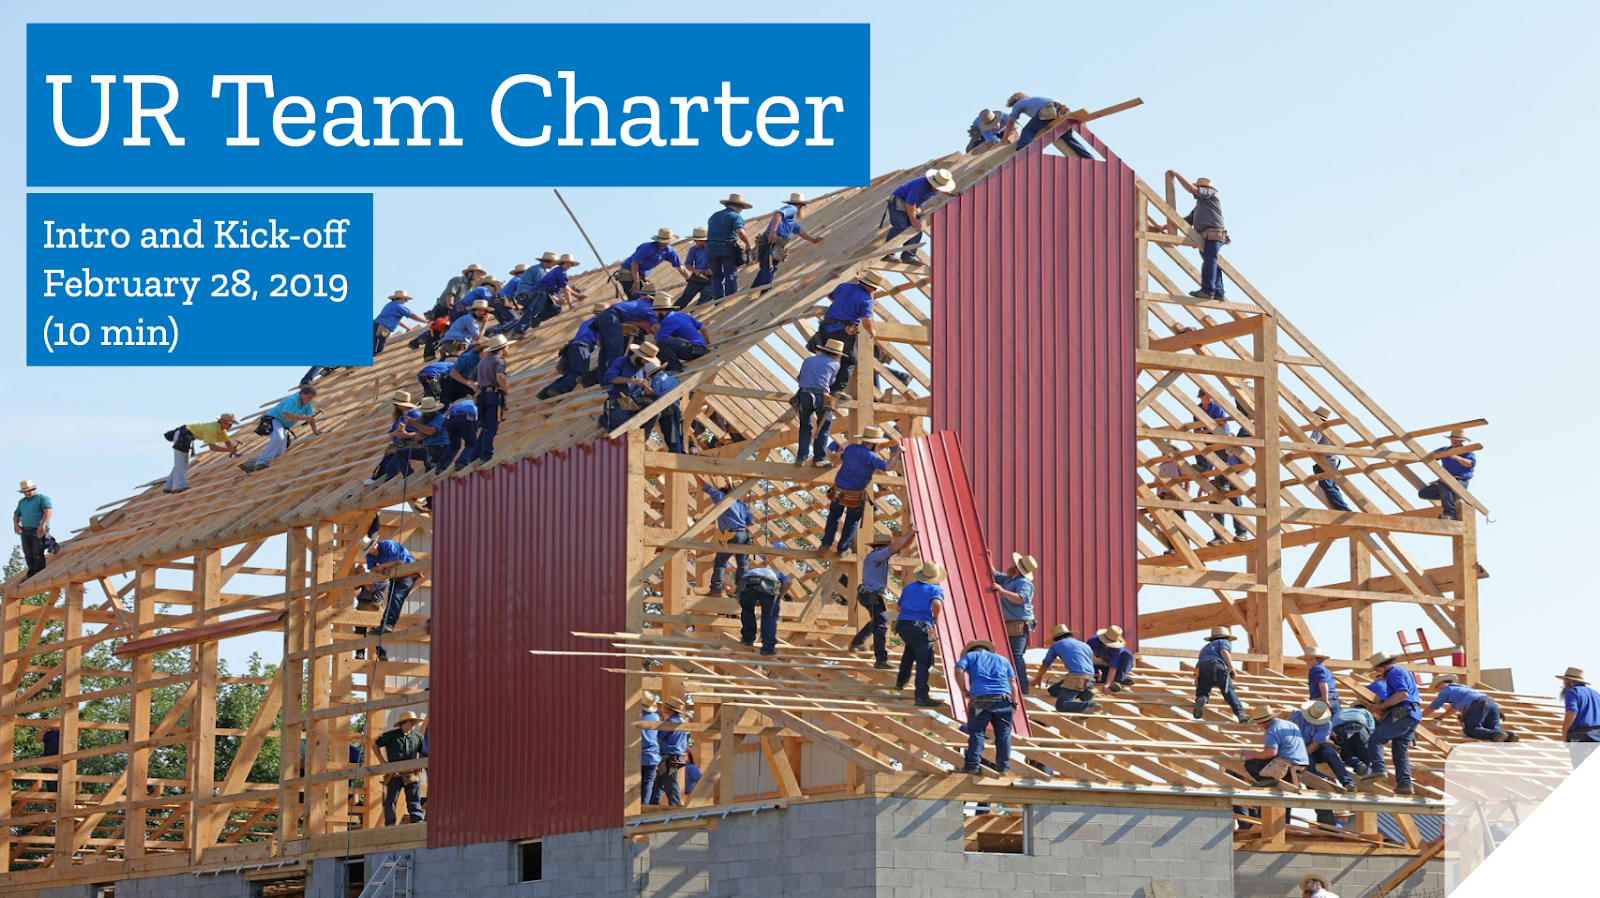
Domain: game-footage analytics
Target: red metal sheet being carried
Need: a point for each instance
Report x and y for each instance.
(949, 531)
(524, 746)
(1033, 335)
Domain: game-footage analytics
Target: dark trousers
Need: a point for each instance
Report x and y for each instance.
(451, 389)
(676, 350)
(575, 359)
(1399, 733)
(491, 411)
(1210, 272)
(899, 221)
(608, 327)
(1019, 644)
(667, 783)
(1481, 720)
(724, 260)
(312, 374)
(380, 338)
(1213, 674)
(1124, 663)
(1034, 126)
(749, 603)
(1325, 754)
(463, 443)
(1330, 488)
(847, 362)
(691, 289)
(430, 386)
(1444, 495)
(647, 781)
(398, 462)
(769, 266)
(399, 590)
(1352, 744)
(33, 549)
(1072, 701)
(1221, 485)
(50, 785)
(878, 626)
(537, 308)
(741, 561)
(816, 420)
(980, 716)
(918, 641)
(391, 793)
(852, 520)
(671, 423)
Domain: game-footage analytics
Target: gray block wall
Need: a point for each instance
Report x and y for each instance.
(186, 885)
(1264, 874)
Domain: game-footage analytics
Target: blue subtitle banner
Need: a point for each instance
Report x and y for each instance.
(124, 279)
(447, 105)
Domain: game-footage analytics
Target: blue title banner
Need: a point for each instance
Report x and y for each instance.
(447, 105)
(131, 279)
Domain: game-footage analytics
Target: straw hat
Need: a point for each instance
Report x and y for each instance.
(1379, 659)
(1316, 712)
(1202, 182)
(647, 351)
(1019, 95)
(490, 344)
(1049, 112)
(699, 234)
(1027, 564)
(480, 304)
(664, 301)
(798, 199)
(736, 199)
(872, 435)
(1573, 674)
(651, 701)
(27, 486)
(1262, 714)
(879, 540)
(518, 269)
(566, 259)
(873, 279)
(401, 295)
(1323, 412)
(597, 308)
(1315, 877)
(833, 347)
(664, 235)
(929, 573)
(1445, 679)
(984, 644)
(1458, 434)
(1220, 633)
(473, 267)
(989, 116)
(1060, 630)
(1111, 637)
(549, 257)
(227, 418)
(406, 716)
(941, 179)
(402, 399)
(1314, 652)
(430, 404)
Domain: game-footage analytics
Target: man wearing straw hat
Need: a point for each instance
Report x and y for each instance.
(1206, 219)
(281, 418)
(403, 743)
(813, 402)
(31, 521)
(1398, 717)
(921, 603)
(577, 357)
(214, 434)
(1283, 751)
(1315, 886)
(535, 273)
(1315, 722)
(1112, 660)
(491, 394)
(392, 315)
(611, 325)
(772, 247)
(873, 595)
(724, 233)
(699, 265)
(849, 310)
(987, 680)
(546, 299)
(650, 255)
(1014, 587)
(905, 207)
(1461, 466)
(1326, 463)
(1319, 679)
(1581, 722)
(628, 378)
(674, 745)
(1042, 112)
(1074, 693)
(985, 130)
(1214, 670)
(649, 748)
(1480, 715)
(857, 463)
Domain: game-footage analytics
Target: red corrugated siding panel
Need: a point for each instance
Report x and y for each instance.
(524, 746)
(950, 531)
(1033, 330)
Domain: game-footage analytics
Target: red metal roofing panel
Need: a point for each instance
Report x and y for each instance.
(524, 555)
(950, 531)
(1033, 330)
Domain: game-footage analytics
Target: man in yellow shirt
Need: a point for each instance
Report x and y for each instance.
(214, 434)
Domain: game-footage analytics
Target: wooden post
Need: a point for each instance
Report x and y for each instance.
(71, 685)
(296, 639)
(637, 511)
(203, 663)
(133, 827)
(1268, 638)
(1466, 571)
(1361, 647)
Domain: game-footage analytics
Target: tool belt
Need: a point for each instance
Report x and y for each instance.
(380, 332)
(848, 498)
(696, 277)
(1076, 682)
(1584, 735)
(927, 629)
(777, 247)
(736, 530)
(1278, 769)
(1399, 712)
(182, 439)
(1017, 627)
(1218, 234)
(409, 778)
(264, 426)
(872, 599)
(985, 702)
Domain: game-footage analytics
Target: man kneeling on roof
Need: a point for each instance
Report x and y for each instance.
(1480, 716)
(987, 679)
(1074, 693)
(1112, 660)
(1314, 719)
(1283, 753)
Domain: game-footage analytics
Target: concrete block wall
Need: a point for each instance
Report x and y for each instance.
(1260, 874)
(186, 885)
(806, 851)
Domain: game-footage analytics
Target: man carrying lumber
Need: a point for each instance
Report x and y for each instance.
(1074, 692)
(1326, 463)
(849, 311)
(1315, 722)
(1014, 586)
(905, 210)
(987, 680)
(214, 434)
(814, 402)
(734, 526)
(280, 421)
(921, 603)
(1214, 670)
(634, 273)
(403, 743)
(1461, 466)
(1480, 716)
(873, 595)
(1319, 679)
(1398, 716)
(1206, 219)
(1112, 660)
(1283, 752)
(761, 588)
(857, 463)
(772, 246)
(1581, 722)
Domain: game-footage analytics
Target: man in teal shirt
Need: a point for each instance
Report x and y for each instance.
(31, 521)
(283, 417)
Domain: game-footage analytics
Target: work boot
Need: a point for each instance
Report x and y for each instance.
(908, 258)
(1348, 785)
(1374, 774)
(1243, 718)
(1200, 294)
(769, 653)
(1115, 687)
(928, 703)
(882, 664)
(1407, 789)
(1218, 541)
(1199, 708)
(888, 258)
(856, 645)
(1360, 769)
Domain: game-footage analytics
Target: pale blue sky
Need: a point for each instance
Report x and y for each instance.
(1406, 182)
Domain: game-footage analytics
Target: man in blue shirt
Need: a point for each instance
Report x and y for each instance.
(435, 437)
(849, 310)
(393, 315)
(1398, 717)
(1042, 112)
(669, 419)
(1074, 694)
(857, 463)
(1112, 660)
(466, 330)
(649, 748)
(1218, 425)
(815, 380)
(486, 290)
(987, 679)
(772, 247)
(461, 433)
(535, 273)
(431, 376)
(1480, 715)
(674, 746)
(634, 272)
(699, 264)
(31, 521)
(546, 299)
(577, 357)
(1314, 719)
(1352, 727)
(905, 207)
(1319, 679)
(985, 130)
(609, 325)
(283, 417)
(385, 556)
(1581, 720)
(734, 525)
(1214, 670)
(873, 595)
(681, 336)
(1014, 586)
(462, 378)
(724, 233)
(627, 379)
(1329, 486)
(1461, 466)
(921, 603)
(1280, 740)
(762, 589)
